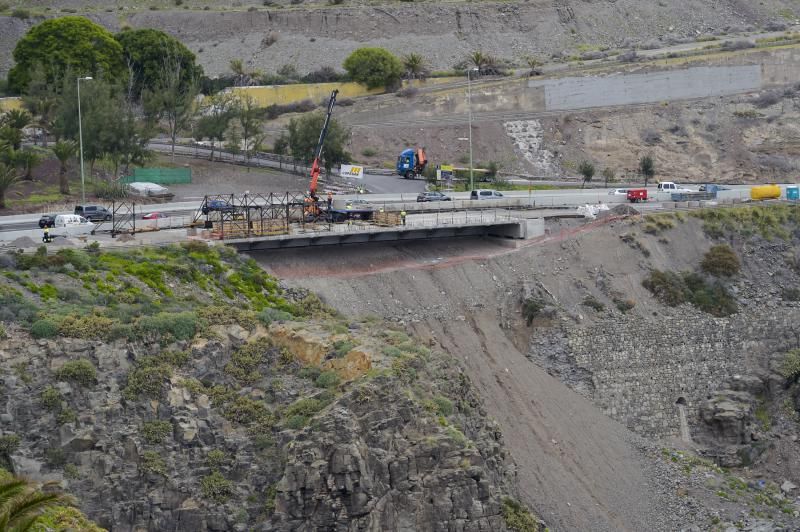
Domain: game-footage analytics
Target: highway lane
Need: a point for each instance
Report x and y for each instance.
(538, 198)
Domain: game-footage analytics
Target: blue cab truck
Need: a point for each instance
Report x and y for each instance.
(411, 163)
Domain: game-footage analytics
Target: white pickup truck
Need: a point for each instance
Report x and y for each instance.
(669, 186)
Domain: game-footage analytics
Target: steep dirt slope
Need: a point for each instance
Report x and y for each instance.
(443, 32)
(575, 466)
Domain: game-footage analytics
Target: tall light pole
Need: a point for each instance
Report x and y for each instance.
(469, 107)
(80, 137)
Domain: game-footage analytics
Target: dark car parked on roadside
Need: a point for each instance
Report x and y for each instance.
(47, 220)
(433, 196)
(217, 205)
(93, 213)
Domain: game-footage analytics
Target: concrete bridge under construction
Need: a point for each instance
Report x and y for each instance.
(495, 222)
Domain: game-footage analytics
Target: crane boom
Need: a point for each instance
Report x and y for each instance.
(312, 189)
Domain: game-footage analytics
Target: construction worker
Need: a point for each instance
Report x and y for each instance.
(330, 199)
(403, 216)
(46, 238)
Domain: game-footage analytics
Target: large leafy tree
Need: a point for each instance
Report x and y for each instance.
(304, 134)
(374, 67)
(216, 115)
(149, 51)
(172, 98)
(59, 44)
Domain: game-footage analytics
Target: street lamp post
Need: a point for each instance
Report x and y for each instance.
(469, 107)
(80, 137)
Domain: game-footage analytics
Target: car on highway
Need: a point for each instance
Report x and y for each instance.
(432, 196)
(484, 194)
(618, 192)
(93, 213)
(357, 204)
(154, 216)
(218, 206)
(47, 220)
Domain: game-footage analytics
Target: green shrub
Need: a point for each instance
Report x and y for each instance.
(44, 328)
(180, 325)
(593, 303)
(624, 305)
(52, 398)
(20, 13)
(216, 487)
(721, 261)
(790, 365)
(444, 406)
(67, 415)
(667, 287)
(81, 372)
(156, 431)
(296, 422)
(91, 326)
(342, 347)
(518, 518)
(307, 407)
(3, 333)
(8, 444)
(147, 380)
(216, 458)
(531, 308)
(327, 379)
(227, 315)
(153, 463)
(368, 152)
(246, 411)
(673, 289)
(790, 293)
(309, 372)
(392, 351)
(245, 361)
(268, 315)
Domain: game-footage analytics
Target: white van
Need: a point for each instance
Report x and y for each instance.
(71, 224)
(484, 194)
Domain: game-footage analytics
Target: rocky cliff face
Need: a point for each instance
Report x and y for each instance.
(268, 421)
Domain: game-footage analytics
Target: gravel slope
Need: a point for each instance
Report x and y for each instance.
(576, 467)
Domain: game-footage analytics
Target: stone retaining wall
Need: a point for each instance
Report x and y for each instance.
(641, 368)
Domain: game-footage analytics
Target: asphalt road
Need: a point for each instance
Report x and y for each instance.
(541, 198)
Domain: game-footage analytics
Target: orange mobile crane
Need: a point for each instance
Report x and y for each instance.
(312, 204)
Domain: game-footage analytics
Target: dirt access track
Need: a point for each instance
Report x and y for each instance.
(577, 468)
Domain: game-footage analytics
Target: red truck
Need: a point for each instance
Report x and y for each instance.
(637, 194)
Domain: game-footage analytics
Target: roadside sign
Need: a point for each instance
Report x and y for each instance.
(351, 171)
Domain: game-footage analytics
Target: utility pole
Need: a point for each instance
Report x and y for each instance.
(80, 138)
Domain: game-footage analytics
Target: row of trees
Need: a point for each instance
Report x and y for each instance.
(646, 169)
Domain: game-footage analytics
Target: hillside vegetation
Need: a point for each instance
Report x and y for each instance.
(185, 381)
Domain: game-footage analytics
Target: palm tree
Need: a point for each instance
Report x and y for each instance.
(22, 504)
(237, 67)
(8, 178)
(28, 159)
(479, 59)
(533, 63)
(415, 65)
(64, 150)
(16, 120)
(647, 168)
